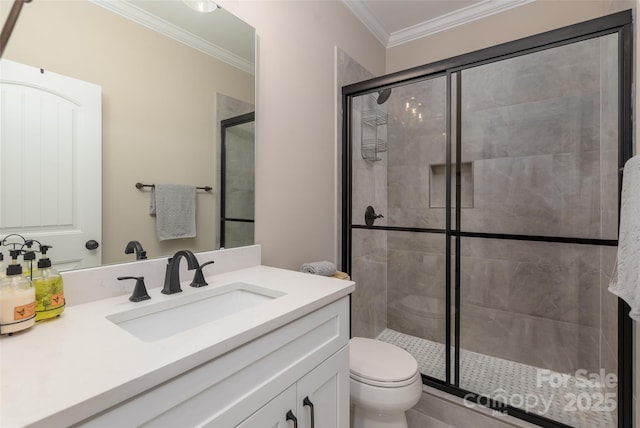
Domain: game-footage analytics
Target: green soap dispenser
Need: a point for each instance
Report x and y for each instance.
(49, 289)
(17, 298)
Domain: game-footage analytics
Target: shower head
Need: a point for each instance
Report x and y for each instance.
(384, 95)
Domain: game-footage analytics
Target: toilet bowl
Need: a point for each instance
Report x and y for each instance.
(384, 383)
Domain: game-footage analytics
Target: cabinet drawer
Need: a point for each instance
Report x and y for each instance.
(241, 381)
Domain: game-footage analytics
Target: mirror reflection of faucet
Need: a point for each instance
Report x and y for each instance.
(132, 246)
(172, 275)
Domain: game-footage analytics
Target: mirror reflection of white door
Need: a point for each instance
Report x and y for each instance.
(50, 162)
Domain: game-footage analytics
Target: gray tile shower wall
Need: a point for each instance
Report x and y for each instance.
(415, 145)
(369, 269)
(416, 290)
(532, 127)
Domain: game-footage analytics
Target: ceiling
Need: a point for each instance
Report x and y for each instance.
(395, 22)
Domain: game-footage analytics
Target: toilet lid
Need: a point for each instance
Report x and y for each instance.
(379, 361)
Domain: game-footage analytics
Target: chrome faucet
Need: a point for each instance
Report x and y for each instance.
(172, 276)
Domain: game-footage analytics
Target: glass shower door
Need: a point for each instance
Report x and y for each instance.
(539, 134)
(399, 157)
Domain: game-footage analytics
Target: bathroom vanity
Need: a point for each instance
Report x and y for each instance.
(280, 351)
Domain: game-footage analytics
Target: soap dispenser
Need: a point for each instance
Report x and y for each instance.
(28, 258)
(49, 290)
(17, 298)
(2, 267)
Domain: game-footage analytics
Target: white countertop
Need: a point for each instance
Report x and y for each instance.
(62, 371)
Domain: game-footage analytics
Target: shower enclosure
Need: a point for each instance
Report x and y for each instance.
(494, 177)
(237, 181)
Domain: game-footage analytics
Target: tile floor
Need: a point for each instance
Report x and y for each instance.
(559, 397)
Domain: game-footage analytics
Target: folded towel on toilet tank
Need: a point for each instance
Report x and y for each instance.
(319, 268)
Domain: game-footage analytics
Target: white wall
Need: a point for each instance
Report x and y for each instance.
(296, 173)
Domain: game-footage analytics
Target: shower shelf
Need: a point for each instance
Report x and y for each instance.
(372, 142)
(374, 117)
(375, 143)
(371, 148)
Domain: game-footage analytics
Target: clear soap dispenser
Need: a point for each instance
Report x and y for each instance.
(28, 258)
(17, 298)
(49, 290)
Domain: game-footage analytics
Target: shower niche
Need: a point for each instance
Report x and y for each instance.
(438, 185)
(499, 188)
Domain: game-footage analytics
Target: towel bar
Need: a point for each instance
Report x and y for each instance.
(139, 186)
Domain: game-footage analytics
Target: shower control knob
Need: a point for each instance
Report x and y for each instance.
(370, 216)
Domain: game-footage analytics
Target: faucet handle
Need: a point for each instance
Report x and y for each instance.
(198, 278)
(139, 291)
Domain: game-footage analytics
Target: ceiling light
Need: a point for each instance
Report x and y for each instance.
(204, 6)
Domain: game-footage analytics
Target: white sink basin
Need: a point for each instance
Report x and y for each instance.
(181, 313)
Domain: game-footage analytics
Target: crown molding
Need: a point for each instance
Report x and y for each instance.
(453, 19)
(135, 14)
(450, 20)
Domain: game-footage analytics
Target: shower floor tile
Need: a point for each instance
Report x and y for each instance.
(568, 401)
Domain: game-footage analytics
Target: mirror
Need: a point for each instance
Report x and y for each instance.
(168, 77)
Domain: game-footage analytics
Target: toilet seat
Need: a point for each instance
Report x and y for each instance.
(381, 364)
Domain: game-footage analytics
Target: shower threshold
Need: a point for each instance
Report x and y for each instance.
(572, 402)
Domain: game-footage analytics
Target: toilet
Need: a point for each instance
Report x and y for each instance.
(384, 383)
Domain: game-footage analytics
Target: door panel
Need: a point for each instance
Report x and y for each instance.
(327, 388)
(50, 162)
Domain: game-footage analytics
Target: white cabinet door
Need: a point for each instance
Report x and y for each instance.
(50, 162)
(274, 414)
(320, 399)
(323, 394)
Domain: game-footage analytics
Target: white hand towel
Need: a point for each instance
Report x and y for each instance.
(625, 281)
(319, 268)
(174, 206)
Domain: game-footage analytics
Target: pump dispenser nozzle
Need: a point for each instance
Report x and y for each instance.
(44, 261)
(14, 268)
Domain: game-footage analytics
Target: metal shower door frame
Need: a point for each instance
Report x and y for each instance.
(224, 125)
(619, 23)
